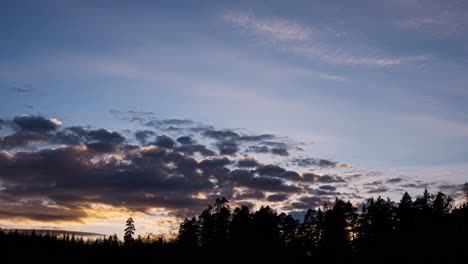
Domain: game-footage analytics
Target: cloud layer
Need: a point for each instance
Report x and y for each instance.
(59, 174)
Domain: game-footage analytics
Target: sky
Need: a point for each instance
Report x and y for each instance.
(155, 108)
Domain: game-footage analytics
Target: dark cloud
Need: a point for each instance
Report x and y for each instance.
(35, 123)
(324, 193)
(172, 122)
(164, 141)
(186, 140)
(231, 135)
(258, 149)
(227, 147)
(292, 176)
(224, 137)
(280, 151)
(379, 190)
(304, 203)
(3, 123)
(221, 134)
(22, 88)
(143, 136)
(21, 211)
(75, 167)
(330, 179)
(21, 139)
(257, 138)
(395, 180)
(251, 194)
(102, 147)
(450, 187)
(173, 125)
(327, 188)
(322, 163)
(307, 177)
(270, 170)
(248, 162)
(192, 149)
(214, 162)
(422, 185)
(248, 179)
(105, 136)
(277, 197)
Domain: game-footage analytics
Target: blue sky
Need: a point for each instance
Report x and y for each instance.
(380, 85)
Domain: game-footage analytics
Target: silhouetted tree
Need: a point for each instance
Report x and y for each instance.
(465, 191)
(221, 222)
(188, 234)
(288, 230)
(375, 227)
(129, 231)
(430, 228)
(241, 230)
(266, 229)
(307, 232)
(206, 223)
(405, 232)
(442, 205)
(337, 226)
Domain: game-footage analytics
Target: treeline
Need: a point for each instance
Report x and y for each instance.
(428, 227)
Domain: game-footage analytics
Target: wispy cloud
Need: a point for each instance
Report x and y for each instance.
(442, 17)
(303, 40)
(274, 29)
(336, 57)
(442, 127)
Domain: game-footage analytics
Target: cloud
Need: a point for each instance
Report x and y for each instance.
(277, 197)
(322, 163)
(395, 180)
(270, 170)
(75, 168)
(227, 147)
(246, 178)
(327, 188)
(416, 185)
(227, 141)
(372, 183)
(329, 179)
(221, 134)
(248, 162)
(273, 29)
(374, 174)
(379, 190)
(186, 140)
(306, 202)
(164, 141)
(444, 18)
(3, 123)
(280, 151)
(336, 57)
(21, 139)
(105, 135)
(195, 148)
(35, 123)
(143, 135)
(291, 37)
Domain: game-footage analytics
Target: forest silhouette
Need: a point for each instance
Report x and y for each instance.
(428, 227)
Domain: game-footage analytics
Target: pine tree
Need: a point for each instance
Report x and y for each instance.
(129, 231)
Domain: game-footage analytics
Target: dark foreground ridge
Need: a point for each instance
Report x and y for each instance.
(429, 227)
